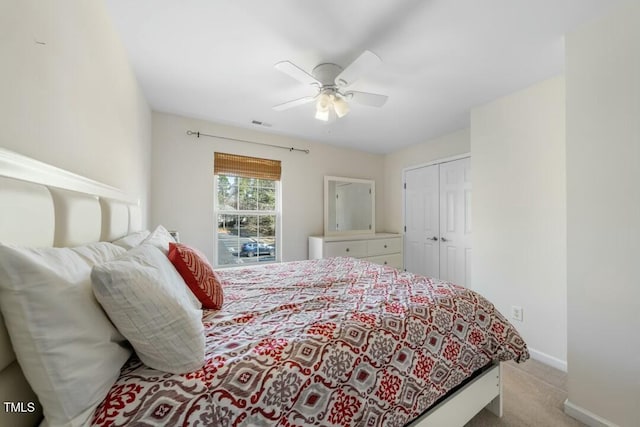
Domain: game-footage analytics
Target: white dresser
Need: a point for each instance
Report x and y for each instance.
(381, 248)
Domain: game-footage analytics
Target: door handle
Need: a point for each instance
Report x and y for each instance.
(444, 240)
(434, 238)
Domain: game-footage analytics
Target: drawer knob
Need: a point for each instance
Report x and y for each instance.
(385, 246)
(347, 249)
(385, 263)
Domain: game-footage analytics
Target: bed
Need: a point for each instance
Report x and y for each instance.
(336, 341)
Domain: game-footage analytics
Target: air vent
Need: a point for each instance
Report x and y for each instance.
(259, 123)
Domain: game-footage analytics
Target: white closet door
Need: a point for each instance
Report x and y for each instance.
(422, 221)
(455, 222)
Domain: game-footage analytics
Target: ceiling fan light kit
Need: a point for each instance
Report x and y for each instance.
(325, 101)
(330, 102)
(322, 115)
(340, 106)
(329, 79)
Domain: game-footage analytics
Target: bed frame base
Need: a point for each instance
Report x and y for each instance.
(484, 391)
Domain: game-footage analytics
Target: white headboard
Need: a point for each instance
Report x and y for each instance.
(41, 205)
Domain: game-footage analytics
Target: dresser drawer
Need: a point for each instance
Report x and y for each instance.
(354, 248)
(392, 260)
(384, 246)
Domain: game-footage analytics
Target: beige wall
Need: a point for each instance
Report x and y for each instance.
(519, 212)
(438, 148)
(603, 211)
(182, 179)
(68, 96)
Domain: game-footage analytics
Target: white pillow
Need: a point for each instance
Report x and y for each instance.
(149, 303)
(160, 238)
(68, 349)
(132, 240)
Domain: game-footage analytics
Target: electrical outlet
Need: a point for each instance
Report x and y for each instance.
(516, 313)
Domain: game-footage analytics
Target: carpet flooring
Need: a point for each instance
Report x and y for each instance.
(533, 395)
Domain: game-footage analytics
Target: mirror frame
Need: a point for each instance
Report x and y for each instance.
(371, 182)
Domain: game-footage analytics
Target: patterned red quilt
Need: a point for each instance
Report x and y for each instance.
(332, 342)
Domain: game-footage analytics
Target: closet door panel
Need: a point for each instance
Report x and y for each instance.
(455, 224)
(422, 218)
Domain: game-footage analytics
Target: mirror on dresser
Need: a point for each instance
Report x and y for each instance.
(349, 206)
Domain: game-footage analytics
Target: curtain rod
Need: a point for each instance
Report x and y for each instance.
(199, 134)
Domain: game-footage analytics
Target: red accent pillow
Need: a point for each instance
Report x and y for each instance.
(198, 274)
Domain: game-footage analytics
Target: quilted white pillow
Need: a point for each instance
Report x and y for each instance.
(151, 306)
(132, 240)
(160, 238)
(68, 349)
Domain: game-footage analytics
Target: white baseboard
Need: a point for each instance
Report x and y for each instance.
(554, 362)
(587, 417)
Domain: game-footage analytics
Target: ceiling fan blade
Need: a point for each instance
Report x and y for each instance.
(366, 98)
(363, 63)
(294, 103)
(297, 73)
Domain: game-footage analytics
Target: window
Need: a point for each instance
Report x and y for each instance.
(247, 209)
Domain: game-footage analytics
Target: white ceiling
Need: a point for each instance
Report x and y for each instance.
(213, 59)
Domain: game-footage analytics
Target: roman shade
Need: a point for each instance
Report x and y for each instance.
(247, 167)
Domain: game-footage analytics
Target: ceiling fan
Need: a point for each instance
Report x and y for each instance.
(330, 81)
